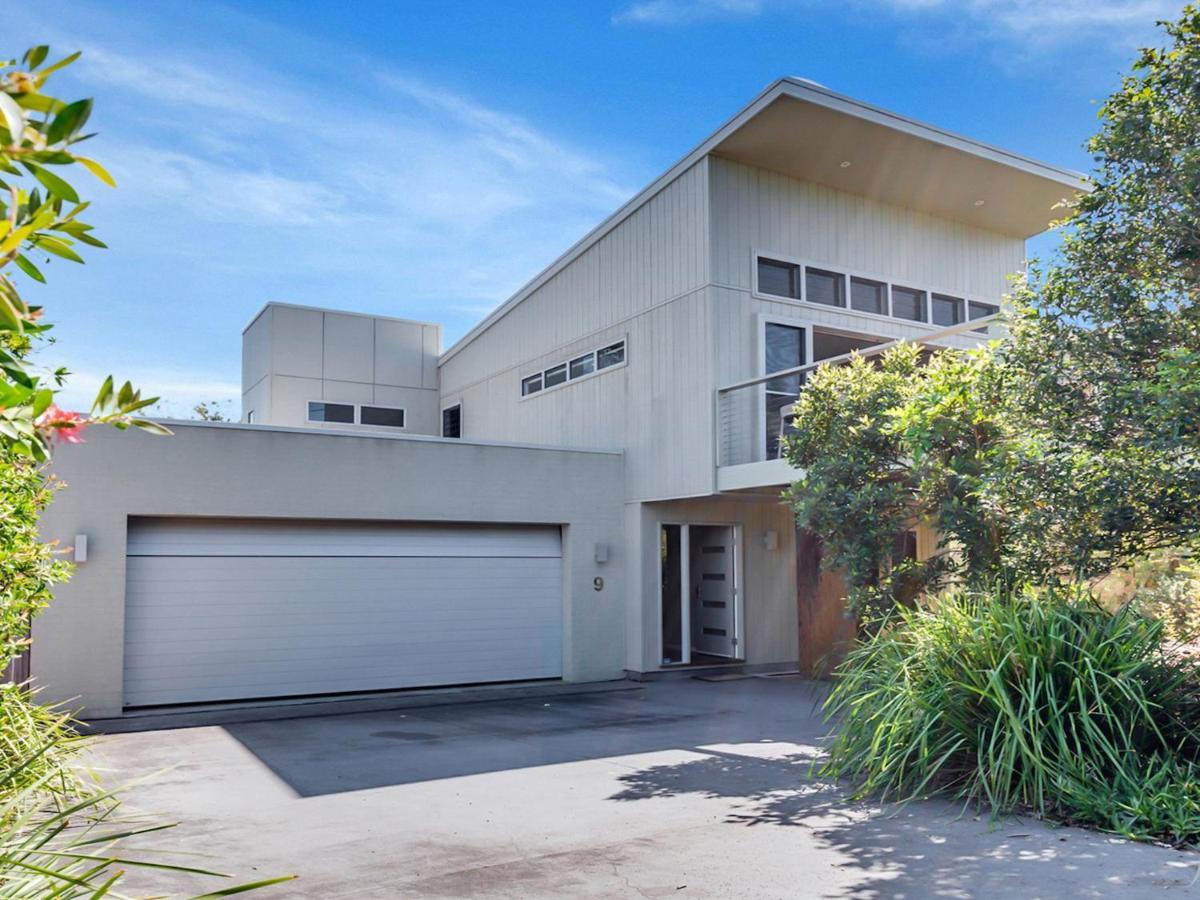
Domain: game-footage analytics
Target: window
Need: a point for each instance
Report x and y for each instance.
(784, 348)
(583, 365)
(778, 278)
(982, 310)
(977, 310)
(578, 367)
(452, 421)
(612, 355)
(341, 413)
(868, 296)
(908, 303)
(946, 310)
(828, 288)
(383, 416)
(556, 375)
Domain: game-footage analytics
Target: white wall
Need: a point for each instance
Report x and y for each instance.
(643, 281)
(293, 355)
(237, 471)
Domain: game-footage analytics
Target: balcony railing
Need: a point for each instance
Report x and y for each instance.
(753, 416)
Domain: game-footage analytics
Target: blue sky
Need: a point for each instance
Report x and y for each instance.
(425, 159)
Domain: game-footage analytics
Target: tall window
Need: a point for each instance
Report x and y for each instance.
(784, 350)
(452, 421)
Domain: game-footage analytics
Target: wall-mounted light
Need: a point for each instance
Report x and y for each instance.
(80, 548)
(979, 203)
(770, 540)
(845, 164)
(602, 553)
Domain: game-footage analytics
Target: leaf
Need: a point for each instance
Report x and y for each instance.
(41, 401)
(96, 169)
(61, 64)
(55, 185)
(103, 395)
(68, 121)
(29, 268)
(57, 247)
(14, 117)
(35, 56)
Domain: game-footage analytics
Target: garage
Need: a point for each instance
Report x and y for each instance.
(229, 609)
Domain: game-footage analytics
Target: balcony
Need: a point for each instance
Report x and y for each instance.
(754, 416)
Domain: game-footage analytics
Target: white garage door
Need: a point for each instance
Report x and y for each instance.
(236, 609)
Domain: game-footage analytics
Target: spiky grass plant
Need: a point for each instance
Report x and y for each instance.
(1032, 700)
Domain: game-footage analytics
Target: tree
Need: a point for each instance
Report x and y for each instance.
(209, 411)
(40, 219)
(1073, 447)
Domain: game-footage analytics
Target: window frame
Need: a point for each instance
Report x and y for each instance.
(847, 274)
(960, 301)
(765, 319)
(565, 363)
(403, 410)
(308, 405)
(445, 409)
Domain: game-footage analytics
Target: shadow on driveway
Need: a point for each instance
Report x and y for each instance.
(332, 754)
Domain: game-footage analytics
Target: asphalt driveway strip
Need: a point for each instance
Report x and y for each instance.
(675, 788)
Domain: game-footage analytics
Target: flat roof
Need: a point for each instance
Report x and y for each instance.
(340, 312)
(804, 129)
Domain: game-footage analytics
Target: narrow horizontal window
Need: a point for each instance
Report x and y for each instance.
(452, 421)
(715, 632)
(828, 288)
(342, 413)
(778, 278)
(908, 303)
(982, 310)
(868, 296)
(583, 365)
(946, 310)
(976, 310)
(383, 416)
(531, 385)
(557, 375)
(612, 355)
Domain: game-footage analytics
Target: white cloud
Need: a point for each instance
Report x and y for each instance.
(1121, 22)
(686, 12)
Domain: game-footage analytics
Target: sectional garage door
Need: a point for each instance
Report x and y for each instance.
(237, 609)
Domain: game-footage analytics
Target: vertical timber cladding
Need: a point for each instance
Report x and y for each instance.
(238, 609)
(826, 632)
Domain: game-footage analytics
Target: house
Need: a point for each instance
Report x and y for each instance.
(586, 485)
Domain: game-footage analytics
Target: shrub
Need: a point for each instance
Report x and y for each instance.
(1027, 700)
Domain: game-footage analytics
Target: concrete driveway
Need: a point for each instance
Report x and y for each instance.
(672, 789)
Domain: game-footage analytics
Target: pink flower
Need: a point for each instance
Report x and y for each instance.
(66, 426)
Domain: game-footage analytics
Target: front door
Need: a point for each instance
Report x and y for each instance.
(713, 590)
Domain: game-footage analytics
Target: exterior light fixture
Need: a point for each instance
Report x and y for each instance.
(979, 203)
(845, 163)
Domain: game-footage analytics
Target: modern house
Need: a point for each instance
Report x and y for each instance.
(586, 485)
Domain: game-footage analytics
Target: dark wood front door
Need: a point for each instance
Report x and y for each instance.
(826, 631)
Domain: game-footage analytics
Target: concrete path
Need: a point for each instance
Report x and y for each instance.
(681, 789)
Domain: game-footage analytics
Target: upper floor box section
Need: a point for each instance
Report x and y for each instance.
(308, 367)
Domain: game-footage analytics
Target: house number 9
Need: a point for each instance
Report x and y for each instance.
(598, 583)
